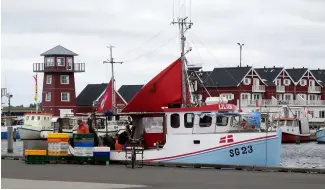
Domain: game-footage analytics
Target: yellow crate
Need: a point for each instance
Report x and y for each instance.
(57, 153)
(35, 152)
(58, 135)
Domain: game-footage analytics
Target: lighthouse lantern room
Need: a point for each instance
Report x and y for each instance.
(59, 94)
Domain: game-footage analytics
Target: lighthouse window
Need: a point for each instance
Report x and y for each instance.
(49, 61)
(60, 61)
(205, 121)
(65, 96)
(48, 96)
(174, 120)
(64, 79)
(188, 120)
(48, 79)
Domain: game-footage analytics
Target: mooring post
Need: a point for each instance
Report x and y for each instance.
(10, 139)
(15, 135)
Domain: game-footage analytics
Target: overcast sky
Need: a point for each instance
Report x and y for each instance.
(275, 33)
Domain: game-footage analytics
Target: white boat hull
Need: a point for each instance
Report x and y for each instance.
(29, 134)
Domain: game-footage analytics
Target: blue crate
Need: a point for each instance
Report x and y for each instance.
(100, 154)
(84, 144)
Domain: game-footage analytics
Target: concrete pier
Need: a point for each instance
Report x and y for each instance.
(16, 174)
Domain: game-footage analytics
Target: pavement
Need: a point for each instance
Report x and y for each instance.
(16, 174)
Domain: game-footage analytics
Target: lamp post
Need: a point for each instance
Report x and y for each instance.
(240, 46)
(240, 49)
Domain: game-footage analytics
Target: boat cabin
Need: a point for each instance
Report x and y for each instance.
(209, 119)
(293, 125)
(38, 119)
(60, 124)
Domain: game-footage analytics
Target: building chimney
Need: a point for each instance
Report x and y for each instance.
(274, 67)
(247, 65)
(293, 67)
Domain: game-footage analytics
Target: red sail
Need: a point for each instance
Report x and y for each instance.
(163, 89)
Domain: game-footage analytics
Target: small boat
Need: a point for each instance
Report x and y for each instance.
(15, 123)
(34, 123)
(320, 135)
(294, 129)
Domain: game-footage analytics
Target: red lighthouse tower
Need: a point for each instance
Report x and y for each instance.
(59, 94)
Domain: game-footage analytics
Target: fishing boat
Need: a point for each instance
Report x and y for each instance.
(320, 135)
(34, 123)
(294, 129)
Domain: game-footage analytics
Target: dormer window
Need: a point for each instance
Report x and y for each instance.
(247, 81)
(311, 83)
(286, 82)
(278, 82)
(303, 82)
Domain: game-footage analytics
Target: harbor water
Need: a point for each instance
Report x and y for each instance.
(304, 155)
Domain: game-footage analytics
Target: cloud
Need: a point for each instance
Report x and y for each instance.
(281, 33)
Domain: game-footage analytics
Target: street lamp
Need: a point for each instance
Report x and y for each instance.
(9, 97)
(240, 45)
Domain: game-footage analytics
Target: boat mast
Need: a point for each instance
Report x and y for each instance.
(183, 26)
(111, 61)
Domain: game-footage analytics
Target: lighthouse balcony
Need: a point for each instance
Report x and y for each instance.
(76, 67)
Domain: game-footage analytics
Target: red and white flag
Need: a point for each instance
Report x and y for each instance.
(105, 102)
(226, 139)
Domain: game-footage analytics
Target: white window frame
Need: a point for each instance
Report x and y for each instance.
(69, 60)
(48, 96)
(279, 96)
(68, 97)
(49, 61)
(311, 83)
(304, 96)
(245, 94)
(278, 82)
(303, 82)
(61, 77)
(247, 81)
(256, 96)
(229, 96)
(63, 61)
(285, 82)
(49, 79)
(287, 94)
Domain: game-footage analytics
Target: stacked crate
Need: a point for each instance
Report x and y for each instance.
(102, 155)
(83, 147)
(58, 146)
(35, 157)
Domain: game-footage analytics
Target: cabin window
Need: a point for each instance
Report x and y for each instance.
(65, 96)
(174, 120)
(48, 79)
(206, 121)
(60, 61)
(32, 118)
(289, 123)
(188, 120)
(281, 123)
(321, 114)
(294, 123)
(27, 118)
(64, 79)
(222, 121)
(38, 118)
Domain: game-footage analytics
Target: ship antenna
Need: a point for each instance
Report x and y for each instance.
(111, 61)
(184, 25)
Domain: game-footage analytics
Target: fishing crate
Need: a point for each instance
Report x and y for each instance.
(35, 152)
(36, 159)
(58, 136)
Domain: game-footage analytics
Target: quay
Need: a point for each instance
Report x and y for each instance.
(16, 174)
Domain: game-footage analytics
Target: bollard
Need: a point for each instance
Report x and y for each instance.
(15, 135)
(10, 139)
(297, 139)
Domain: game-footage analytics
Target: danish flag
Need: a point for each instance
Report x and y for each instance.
(226, 139)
